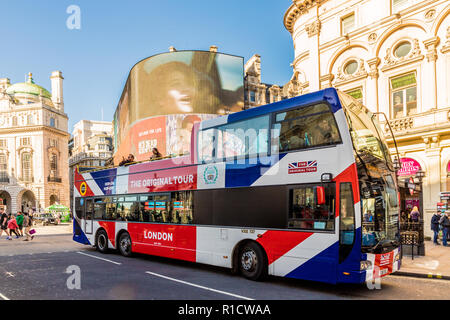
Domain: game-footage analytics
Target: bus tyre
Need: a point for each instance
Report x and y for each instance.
(101, 241)
(125, 244)
(252, 262)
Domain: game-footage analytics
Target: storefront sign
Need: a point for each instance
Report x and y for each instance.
(409, 167)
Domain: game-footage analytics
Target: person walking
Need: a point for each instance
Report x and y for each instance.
(415, 214)
(19, 220)
(27, 223)
(12, 226)
(4, 223)
(435, 226)
(445, 224)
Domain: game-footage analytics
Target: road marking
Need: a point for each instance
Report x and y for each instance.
(118, 263)
(3, 297)
(199, 286)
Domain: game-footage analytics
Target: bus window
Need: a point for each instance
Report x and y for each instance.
(147, 209)
(305, 213)
(299, 129)
(110, 210)
(79, 208)
(89, 211)
(181, 207)
(347, 214)
(99, 208)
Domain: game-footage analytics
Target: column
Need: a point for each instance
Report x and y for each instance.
(372, 87)
(429, 83)
(313, 30)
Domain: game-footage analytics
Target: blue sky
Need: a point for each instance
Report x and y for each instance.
(114, 35)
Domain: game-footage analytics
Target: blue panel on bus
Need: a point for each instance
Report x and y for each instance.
(244, 175)
(105, 180)
(329, 95)
(323, 267)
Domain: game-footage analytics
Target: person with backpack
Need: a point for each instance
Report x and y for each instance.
(435, 226)
(12, 226)
(19, 220)
(415, 214)
(27, 223)
(445, 224)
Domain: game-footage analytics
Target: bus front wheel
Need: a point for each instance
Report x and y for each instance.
(252, 262)
(125, 244)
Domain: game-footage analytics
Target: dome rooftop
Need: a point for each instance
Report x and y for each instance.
(28, 87)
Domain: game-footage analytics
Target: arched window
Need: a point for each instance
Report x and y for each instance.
(4, 168)
(27, 171)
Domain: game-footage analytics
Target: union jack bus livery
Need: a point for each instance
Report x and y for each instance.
(302, 188)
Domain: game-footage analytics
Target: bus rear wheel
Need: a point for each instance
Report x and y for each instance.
(252, 262)
(125, 244)
(101, 242)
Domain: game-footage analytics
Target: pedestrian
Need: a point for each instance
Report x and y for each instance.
(19, 220)
(4, 223)
(415, 214)
(12, 226)
(156, 154)
(27, 223)
(445, 225)
(435, 226)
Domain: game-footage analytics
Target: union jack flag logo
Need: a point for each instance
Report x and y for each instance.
(302, 167)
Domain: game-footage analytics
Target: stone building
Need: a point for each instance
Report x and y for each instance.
(33, 145)
(90, 146)
(394, 56)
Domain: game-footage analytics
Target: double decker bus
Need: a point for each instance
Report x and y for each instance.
(303, 188)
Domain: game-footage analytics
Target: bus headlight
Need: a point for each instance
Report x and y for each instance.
(365, 265)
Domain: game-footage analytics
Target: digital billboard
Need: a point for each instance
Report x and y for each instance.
(165, 94)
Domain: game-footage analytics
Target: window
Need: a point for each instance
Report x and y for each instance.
(404, 95)
(348, 23)
(402, 49)
(3, 168)
(181, 207)
(247, 138)
(351, 67)
(398, 5)
(304, 127)
(306, 213)
(14, 121)
(54, 166)
(29, 119)
(52, 122)
(346, 220)
(252, 96)
(26, 167)
(356, 93)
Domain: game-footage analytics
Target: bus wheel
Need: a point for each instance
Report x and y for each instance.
(101, 242)
(252, 262)
(125, 244)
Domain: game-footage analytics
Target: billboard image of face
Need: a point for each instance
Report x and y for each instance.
(183, 87)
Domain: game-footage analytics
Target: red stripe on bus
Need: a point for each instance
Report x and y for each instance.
(110, 227)
(350, 175)
(278, 243)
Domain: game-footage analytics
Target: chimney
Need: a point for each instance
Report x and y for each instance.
(213, 49)
(57, 90)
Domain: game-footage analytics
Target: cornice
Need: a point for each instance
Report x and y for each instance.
(297, 8)
(33, 129)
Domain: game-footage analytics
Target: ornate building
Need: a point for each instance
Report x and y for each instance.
(394, 56)
(33, 145)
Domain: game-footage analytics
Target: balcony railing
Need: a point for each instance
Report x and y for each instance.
(54, 179)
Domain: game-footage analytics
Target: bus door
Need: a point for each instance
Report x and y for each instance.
(89, 213)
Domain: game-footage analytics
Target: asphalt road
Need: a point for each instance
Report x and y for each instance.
(38, 270)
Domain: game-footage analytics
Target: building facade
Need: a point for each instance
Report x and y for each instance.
(33, 145)
(394, 56)
(90, 147)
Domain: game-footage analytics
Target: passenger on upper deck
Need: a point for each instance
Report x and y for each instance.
(325, 133)
(128, 160)
(156, 154)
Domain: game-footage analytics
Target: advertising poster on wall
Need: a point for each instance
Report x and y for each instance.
(183, 86)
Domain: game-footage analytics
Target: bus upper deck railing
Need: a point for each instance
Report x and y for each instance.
(132, 163)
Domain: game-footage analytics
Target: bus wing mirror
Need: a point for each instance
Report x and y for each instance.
(319, 194)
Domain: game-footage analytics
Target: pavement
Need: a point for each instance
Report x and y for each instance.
(435, 264)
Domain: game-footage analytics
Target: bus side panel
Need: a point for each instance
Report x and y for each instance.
(171, 241)
(313, 258)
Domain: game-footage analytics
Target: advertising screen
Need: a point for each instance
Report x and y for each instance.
(166, 94)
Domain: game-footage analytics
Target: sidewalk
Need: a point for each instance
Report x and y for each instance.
(63, 228)
(435, 264)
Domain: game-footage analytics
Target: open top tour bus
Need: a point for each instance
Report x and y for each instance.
(303, 188)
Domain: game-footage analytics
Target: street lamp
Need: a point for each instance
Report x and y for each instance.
(420, 174)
